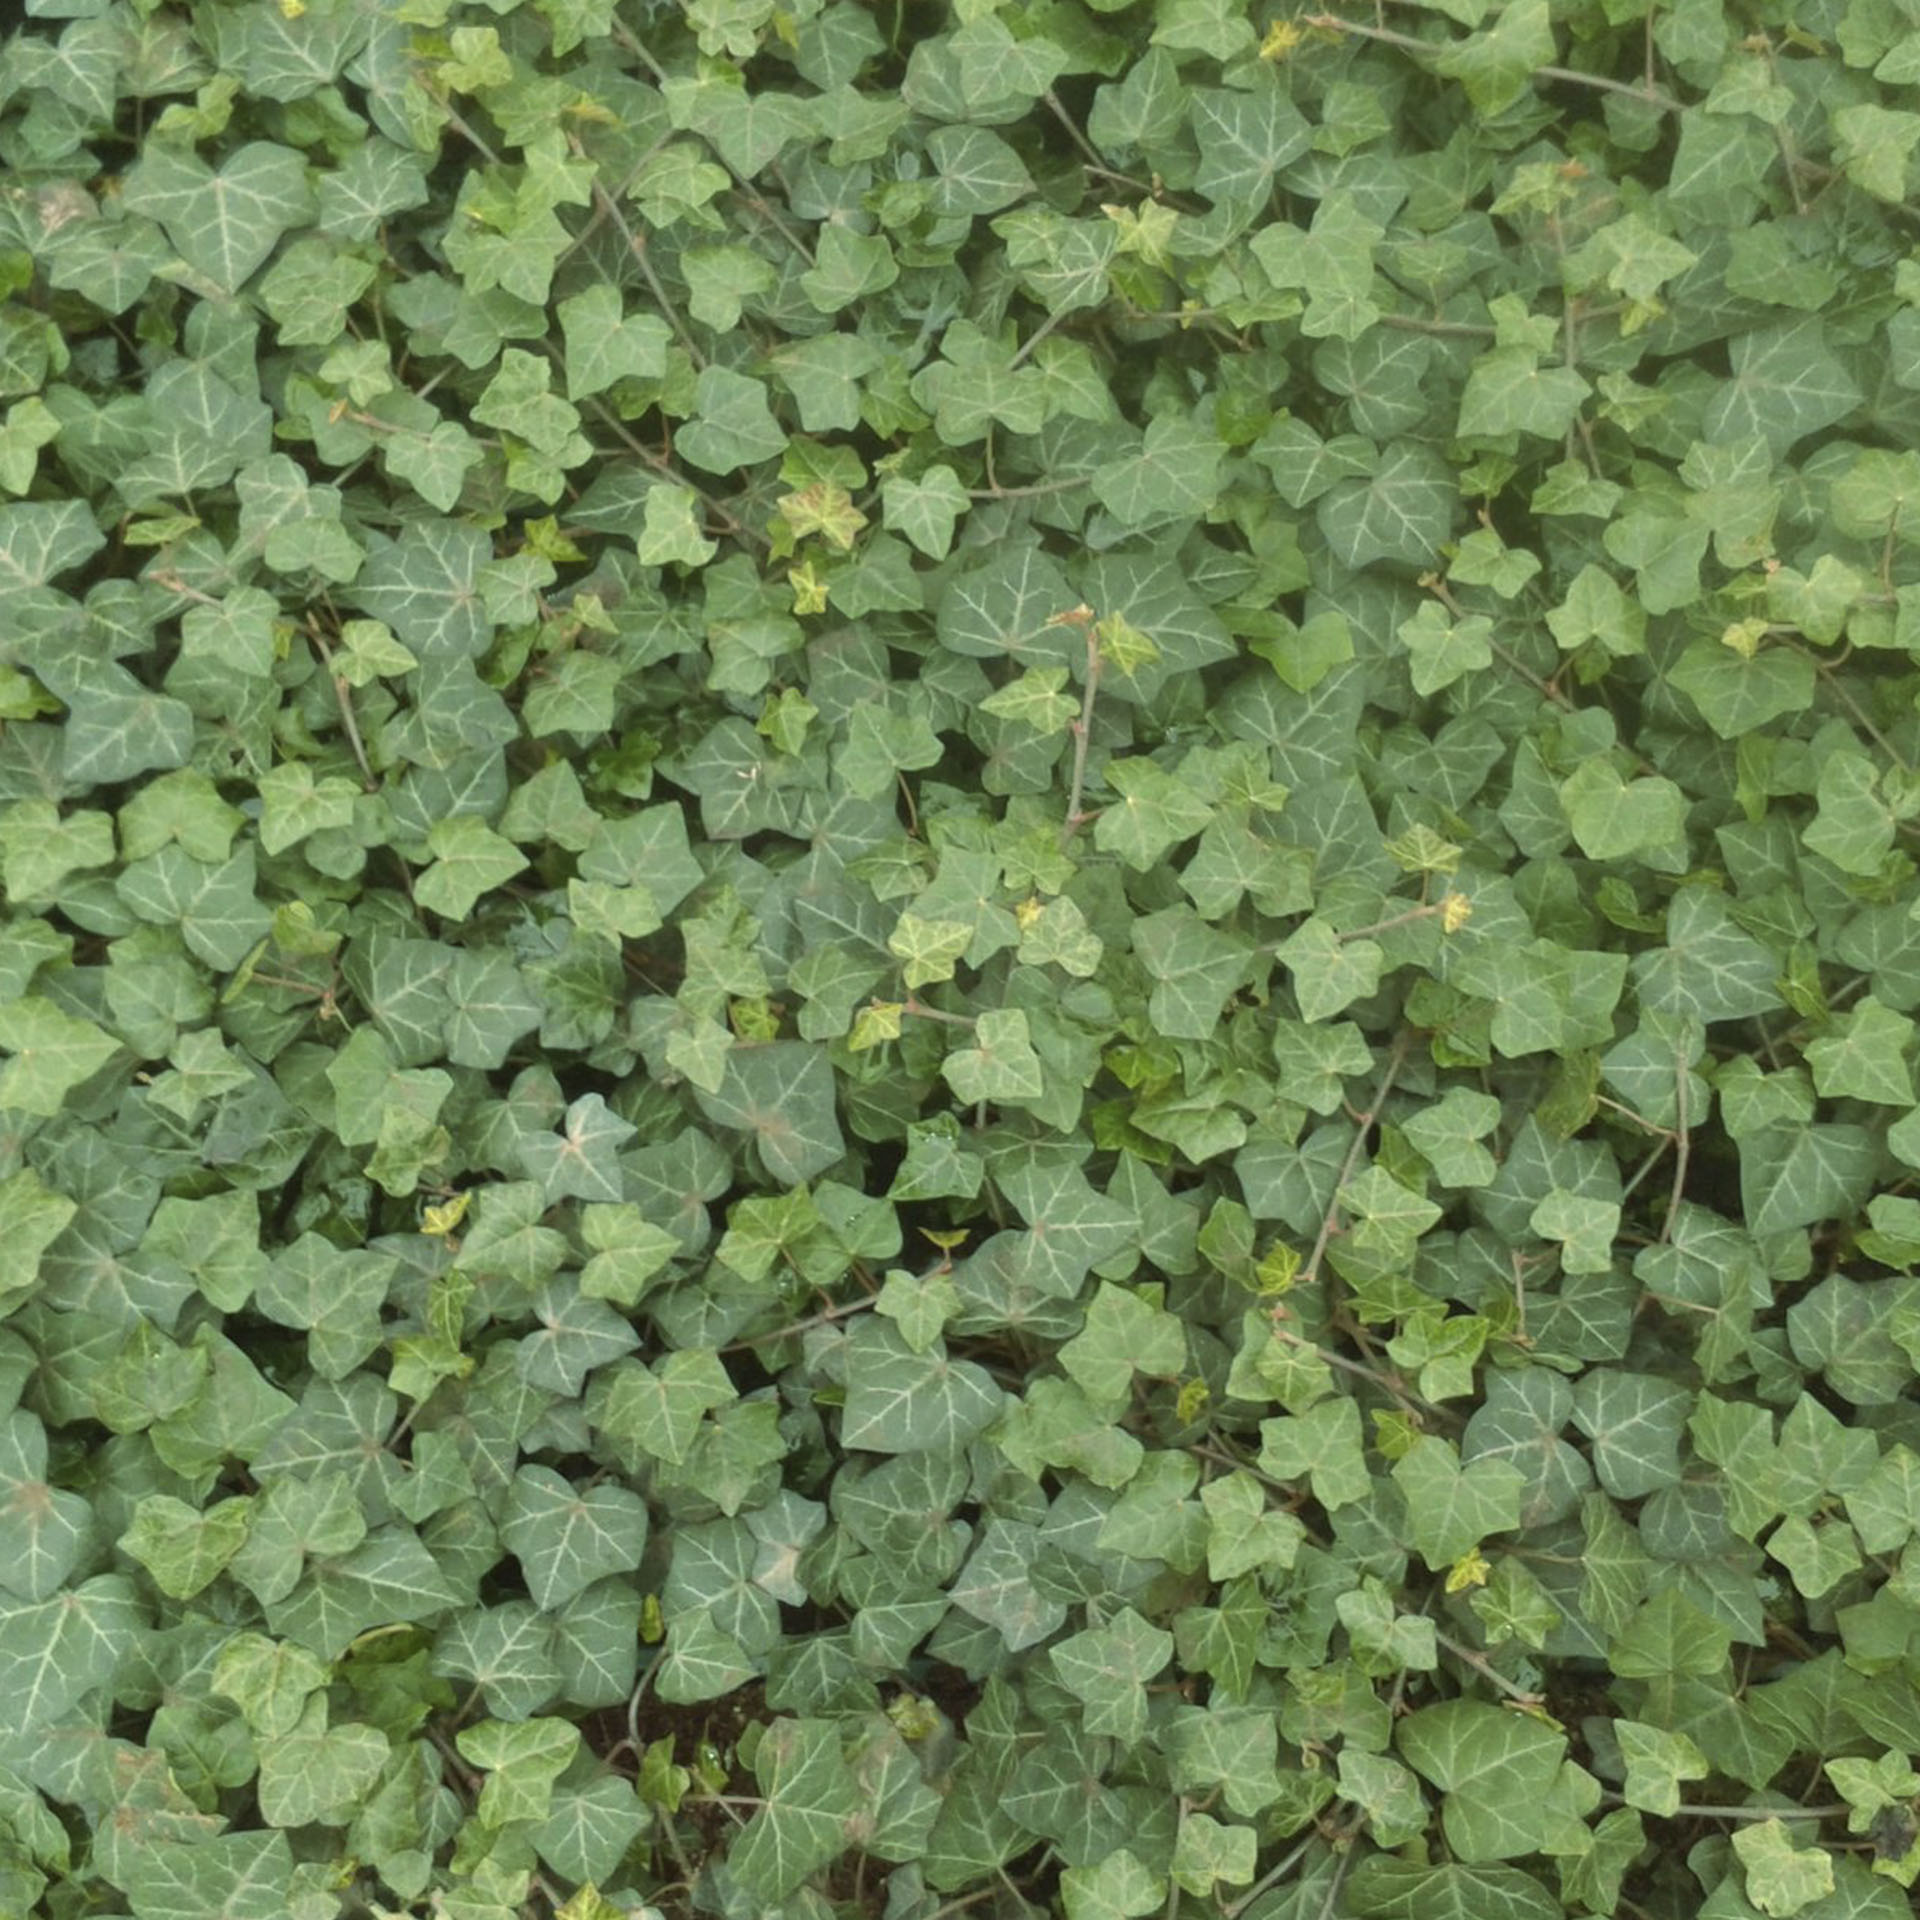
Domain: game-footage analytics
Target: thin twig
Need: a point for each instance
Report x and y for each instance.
(1487, 1671)
(1545, 688)
(1201, 1451)
(1428, 910)
(1645, 1167)
(730, 523)
(1407, 1400)
(845, 1311)
(1627, 1113)
(1830, 680)
(1413, 323)
(1082, 732)
(1682, 1140)
(1650, 96)
(1273, 1873)
(965, 1901)
(1036, 492)
(921, 1011)
(1362, 1126)
(343, 694)
(596, 218)
(1647, 96)
(757, 201)
(637, 249)
(1340, 1872)
(1039, 333)
(467, 132)
(1088, 151)
(1827, 1812)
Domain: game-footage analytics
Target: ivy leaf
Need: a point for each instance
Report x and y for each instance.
(1242, 1532)
(1329, 973)
(316, 1773)
(1443, 649)
(52, 1053)
(1781, 1878)
(1738, 692)
(1245, 138)
(1383, 1888)
(1509, 392)
(733, 425)
(1000, 1065)
(1107, 1668)
(1402, 513)
(1612, 818)
(1708, 967)
(926, 509)
(1496, 1770)
(1793, 1176)
(1156, 811)
(224, 223)
(1173, 476)
(1117, 1888)
(782, 1097)
(1194, 969)
(566, 1539)
(1658, 1760)
(1323, 1445)
(54, 1652)
(469, 859)
(522, 1761)
(809, 1800)
(42, 1528)
(1453, 1509)
(243, 1874)
(1584, 1226)
(900, 1401)
(1787, 383)
(1864, 1058)
(32, 1217)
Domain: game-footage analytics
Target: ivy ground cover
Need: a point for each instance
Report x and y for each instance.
(959, 959)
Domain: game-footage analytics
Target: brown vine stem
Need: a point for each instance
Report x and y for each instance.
(1545, 688)
(1428, 911)
(1362, 1126)
(343, 695)
(754, 199)
(1342, 1868)
(730, 523)
(1033, 339)
(1638, 1119)
(1413, 323)
(1082, 733)
(843, 1312)
(1682, 1141)
(1648, 96)
(470, 134)
(597, 218)
(1828, 671)
(1088, 151)
(1267, 1879)
(637, 250)
(1201, 1451)
(1036, 492)
(921, 1011)
(1487, 1671)
(1831, 1810)
(965, 1901)
(1408, 1402)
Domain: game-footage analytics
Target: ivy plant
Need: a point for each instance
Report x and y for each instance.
(959, 959)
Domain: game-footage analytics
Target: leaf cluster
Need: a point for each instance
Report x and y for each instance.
(959, 959)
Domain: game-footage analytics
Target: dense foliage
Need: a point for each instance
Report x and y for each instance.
(959, 958)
